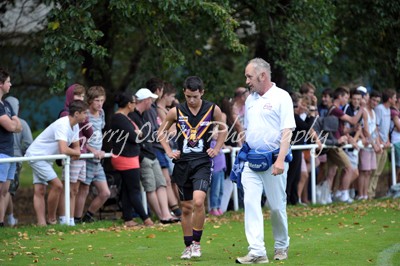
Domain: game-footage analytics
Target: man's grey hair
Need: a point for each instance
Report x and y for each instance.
(260, 65)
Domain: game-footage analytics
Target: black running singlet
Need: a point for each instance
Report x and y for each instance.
(195, 132)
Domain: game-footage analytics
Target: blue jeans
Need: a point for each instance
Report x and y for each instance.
(216, 189)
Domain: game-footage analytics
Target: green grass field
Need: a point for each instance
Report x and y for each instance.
(363, 233)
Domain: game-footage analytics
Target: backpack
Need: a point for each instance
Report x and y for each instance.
(327, 126)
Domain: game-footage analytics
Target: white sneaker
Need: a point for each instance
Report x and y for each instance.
(187, 253)
(329, 199)
(345, 197)
(196, 249)
(11, 220)
(62, 220)
(281, 254)
(338, 195)
(71, 222)
(252, 259)
(352, 193)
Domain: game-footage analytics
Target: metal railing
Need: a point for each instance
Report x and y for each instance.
(312, 148)
(233, 151)
(66, 162)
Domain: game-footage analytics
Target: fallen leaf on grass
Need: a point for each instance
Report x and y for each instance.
(24, 235)
(110, 256)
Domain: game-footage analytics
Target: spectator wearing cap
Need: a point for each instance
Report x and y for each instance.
(152, 178)
(364, 94)
(353, 133)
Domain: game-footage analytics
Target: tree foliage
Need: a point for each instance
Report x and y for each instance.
(295, 36)
(102, 36)
(369, 34)
(119, 44)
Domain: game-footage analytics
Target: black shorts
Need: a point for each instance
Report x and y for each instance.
(192, 175)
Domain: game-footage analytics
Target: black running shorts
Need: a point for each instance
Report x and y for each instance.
(192, 175)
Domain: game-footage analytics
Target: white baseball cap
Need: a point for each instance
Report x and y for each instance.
(145, 93)
(362, 89)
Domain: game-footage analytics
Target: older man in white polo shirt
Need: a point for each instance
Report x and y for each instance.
(269, 122)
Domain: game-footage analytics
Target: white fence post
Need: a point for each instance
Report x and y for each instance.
(67, 163)
(144, 198)
(393, 162)
(235, 189)
(313, 177)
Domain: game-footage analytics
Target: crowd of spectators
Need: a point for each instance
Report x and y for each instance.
(370, 121)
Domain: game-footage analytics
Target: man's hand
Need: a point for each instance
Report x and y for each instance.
(278, 167)
(174, 155)
(363, 103)
(377, 147)
(75, 157)
(354, 143)
(342, 140)
(139, 133)
(99, 154)
(387, 145)
(365, 142)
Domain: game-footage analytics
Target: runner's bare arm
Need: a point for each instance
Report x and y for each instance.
(162, 133)
(222, 132)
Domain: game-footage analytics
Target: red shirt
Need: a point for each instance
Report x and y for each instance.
(338, 113)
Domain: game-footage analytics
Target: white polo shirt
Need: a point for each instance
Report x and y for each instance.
(266, 116)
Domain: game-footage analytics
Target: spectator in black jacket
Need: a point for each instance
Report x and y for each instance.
(125, 159)
(300, 105)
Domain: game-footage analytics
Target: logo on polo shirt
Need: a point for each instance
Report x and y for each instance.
(268, 106)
